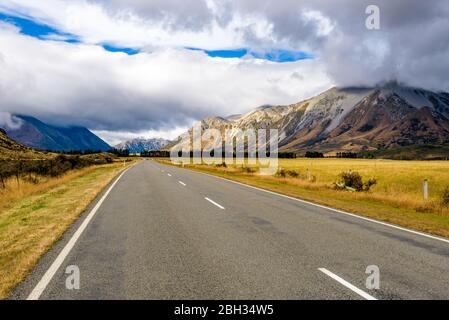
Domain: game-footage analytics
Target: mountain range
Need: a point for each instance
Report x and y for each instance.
(39, 135)
(350, 119)
(140, 145)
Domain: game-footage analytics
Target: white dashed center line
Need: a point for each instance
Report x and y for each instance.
(214, 203)
(347, 284)
(182, 183)
(168, 174)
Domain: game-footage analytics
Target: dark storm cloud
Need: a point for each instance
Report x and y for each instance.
(411, 46)
(175, 14)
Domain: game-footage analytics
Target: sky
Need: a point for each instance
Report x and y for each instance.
(137, 68)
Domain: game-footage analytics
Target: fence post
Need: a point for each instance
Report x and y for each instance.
(426, 189)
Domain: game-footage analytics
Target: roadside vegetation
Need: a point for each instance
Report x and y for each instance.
(39, 200)
(387, 190)
(33, 170)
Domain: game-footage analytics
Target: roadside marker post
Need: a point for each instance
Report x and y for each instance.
(426, 189)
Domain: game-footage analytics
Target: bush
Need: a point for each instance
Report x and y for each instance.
(248, 170)
(445, 197)
(281, 173)
(367, 185)
(353, 181)
(30, 170)
(292, 173)
(222, 165)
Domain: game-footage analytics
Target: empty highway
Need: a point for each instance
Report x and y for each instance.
(162, 232)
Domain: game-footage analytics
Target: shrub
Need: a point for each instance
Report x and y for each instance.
(367, 185)
(445, 197)
(31, 170)
(281, 173)
(222, 165)
(353, 181)
(292, 173)
(248, 170)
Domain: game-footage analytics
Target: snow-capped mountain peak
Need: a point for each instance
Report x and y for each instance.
(140, 145)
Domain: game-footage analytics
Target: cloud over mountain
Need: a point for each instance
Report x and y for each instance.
(67, 76)
(87, 85)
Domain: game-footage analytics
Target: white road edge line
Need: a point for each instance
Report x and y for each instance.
(43, 283)
(182, 183)
(329, 208)
(347, 284)
(214, 203)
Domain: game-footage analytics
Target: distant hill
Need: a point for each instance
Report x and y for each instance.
(9, 149)
(36, 134)
(140, 145)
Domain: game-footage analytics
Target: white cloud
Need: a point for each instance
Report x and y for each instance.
(8, 121)
(168, 88)
(412, 35)
(94, 24)
(324, 24)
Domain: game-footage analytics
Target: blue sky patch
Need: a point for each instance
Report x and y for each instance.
(44, 32)
(279, 55)
(235, 53)
(128, 51)
(37, 30)
(275, 55)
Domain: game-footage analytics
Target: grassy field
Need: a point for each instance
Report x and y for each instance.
(396, 198)
(34, 216)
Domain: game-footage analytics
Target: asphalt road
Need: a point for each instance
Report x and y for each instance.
(169, 233)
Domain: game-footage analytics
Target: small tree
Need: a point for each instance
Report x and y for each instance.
(353, 181)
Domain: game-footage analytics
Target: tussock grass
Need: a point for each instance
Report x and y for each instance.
(16, 190)
(34, 216)
(396, 198)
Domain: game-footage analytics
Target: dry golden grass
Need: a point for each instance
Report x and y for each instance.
(16, 190)
(33, 217)
(397, 198)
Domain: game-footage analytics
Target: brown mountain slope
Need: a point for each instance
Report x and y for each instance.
(386, 122)
(423, 126)
(350, 119)
(362, 129)
(9, 149)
